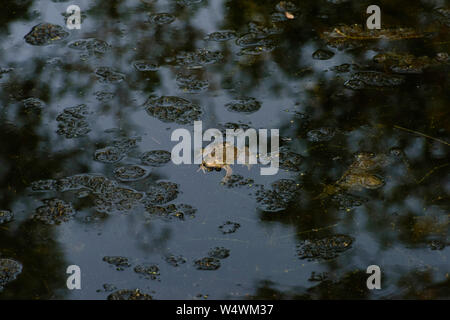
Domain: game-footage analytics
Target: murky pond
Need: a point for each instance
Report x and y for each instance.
(86, 175)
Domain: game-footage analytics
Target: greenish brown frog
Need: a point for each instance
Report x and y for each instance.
(222, 156)
(360, 174)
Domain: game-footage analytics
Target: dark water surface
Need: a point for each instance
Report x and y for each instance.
(364, 125)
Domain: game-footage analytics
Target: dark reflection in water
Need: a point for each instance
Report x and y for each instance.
(364, 161)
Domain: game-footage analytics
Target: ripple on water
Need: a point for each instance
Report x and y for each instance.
(9, 270)
(161, 18)
(45, 34)
(325, 248)
(173, 109)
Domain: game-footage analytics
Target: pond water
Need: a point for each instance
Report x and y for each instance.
(86, 121)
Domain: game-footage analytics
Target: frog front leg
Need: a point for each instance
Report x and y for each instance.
(202, 167)
(228, 174)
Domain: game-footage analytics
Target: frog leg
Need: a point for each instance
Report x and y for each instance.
(202, 167)
(229, 171)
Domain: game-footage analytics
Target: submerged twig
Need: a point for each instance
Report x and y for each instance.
(431, 171)
(422, 134)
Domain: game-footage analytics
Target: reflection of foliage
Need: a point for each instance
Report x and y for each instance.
(33, 245)
(421, 285)
(351, 285)
(13, 10)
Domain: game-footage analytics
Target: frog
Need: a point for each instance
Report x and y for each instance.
(222, 156)
(359, 175)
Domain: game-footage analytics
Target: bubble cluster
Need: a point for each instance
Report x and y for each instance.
(9, 270)
(322, 54)
(148, 271)
(145, 65)
(119, 262)
(72, 122)
(175, 261)
(155, 158)
(117, 151)
(6, 216)
(173, 109)
(45, 33)
(191, 84)
(178, 211)
(325, 248)
(244, 105)
(220, 36)
(207, 263)
(198, 58)
(161, 18)
(367, 79)
(219, 253)
(279, 196)
(129, 294)
(90, 47)
(229, 227)
(54, 211)
(108, 75)
(131, 173)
